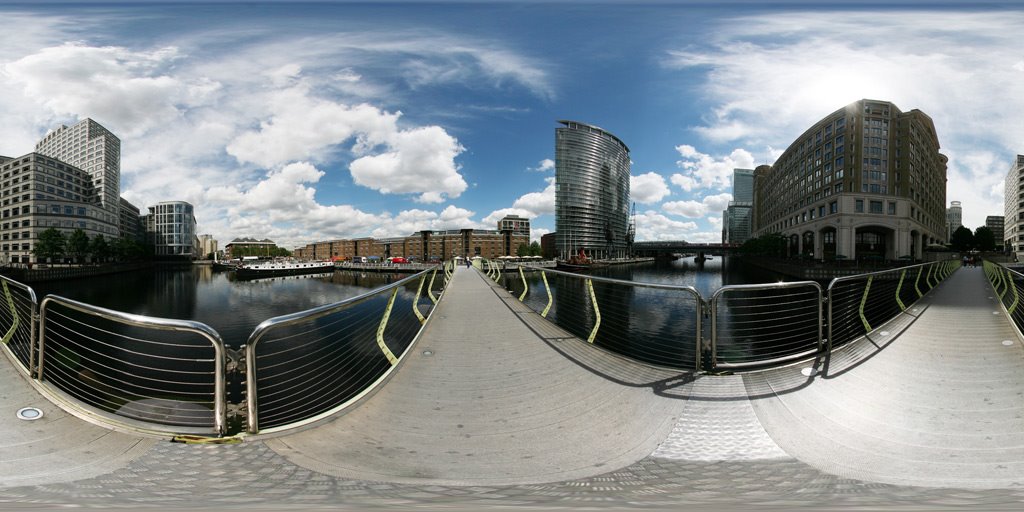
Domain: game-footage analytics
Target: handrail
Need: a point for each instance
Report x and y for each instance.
(252, 393)
(161, 324)
(25, 361)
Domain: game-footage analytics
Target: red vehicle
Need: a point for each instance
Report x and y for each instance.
(399, 259)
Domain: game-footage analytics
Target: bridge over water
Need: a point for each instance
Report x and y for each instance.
(493, 405)
(666, 247)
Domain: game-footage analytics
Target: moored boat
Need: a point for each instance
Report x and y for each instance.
(283, 268)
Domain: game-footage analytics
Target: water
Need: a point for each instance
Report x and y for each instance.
(232, 307)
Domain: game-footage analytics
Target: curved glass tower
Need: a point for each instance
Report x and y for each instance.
(591, 191)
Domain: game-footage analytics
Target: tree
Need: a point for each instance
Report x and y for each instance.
(962, 239)
(50, 245)
(773, 244)
(99, 249)
(523, 250)
(78, 245)
(535, 249)
(984, 239)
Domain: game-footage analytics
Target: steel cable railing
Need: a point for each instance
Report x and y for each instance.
(616, 314)
(130, 367)
(765, 325)
(1008, 285)
(308, 365)
(18, 317)
(859, 304)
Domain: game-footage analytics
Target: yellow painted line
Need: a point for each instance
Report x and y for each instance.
(14, 316)
(597, 311)
(380, 330)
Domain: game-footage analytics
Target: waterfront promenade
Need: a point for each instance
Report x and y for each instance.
(496, 407)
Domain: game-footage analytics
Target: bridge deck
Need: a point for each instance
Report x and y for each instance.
(533, 418)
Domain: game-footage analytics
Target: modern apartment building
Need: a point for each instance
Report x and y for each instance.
(94, 149)
(171, 230)
(736, 219)
(39, 192)
(422, 246)
(592, 169)
(865, 182)
(1013, 209)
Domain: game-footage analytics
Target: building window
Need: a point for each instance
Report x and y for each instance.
(833, 207)
(859, 206)
(876, 207)
(892, 208)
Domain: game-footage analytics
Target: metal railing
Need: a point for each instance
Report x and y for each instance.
(610, 312)
(1008, 285)
(165, 376)
(751, 326)
(308, 365)
(18, 318)
(131, 367)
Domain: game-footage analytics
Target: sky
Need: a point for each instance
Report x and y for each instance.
(313, 121)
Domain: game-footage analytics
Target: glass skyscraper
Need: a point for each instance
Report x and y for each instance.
(591, 191)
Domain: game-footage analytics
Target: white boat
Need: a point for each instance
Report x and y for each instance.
(283, 268)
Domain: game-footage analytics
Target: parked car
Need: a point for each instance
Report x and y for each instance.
(399, 259)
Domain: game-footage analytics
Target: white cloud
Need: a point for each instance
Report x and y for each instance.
(538, 203)
(694, 209)
(421, 160)
(651, 225)
(707, 172)
(544, 165)
(648, 188)
(537, 233)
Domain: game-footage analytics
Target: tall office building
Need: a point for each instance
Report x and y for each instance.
(865, 182)
(92, 148)
(1013, 208)
(171, 229)
(954, 218)
(995, 224)
(736, 222)
(591, 191)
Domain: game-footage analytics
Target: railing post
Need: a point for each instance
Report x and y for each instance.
(899, 287)
(863, 301)
(917, 280)
(597, 312)
(380, 330)
(544, 277)
(416, 302)
(1013, 306)
(526, 287)
(430, 287)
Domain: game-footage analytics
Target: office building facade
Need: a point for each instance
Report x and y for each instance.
(995, 224)
(1013, 208)
(592, 169)
(866, 182)
(736, 219)
(171, 230)
(954, 218)
(38, 192)
(89, 146)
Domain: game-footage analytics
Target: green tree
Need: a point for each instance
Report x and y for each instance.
(962, 239)
(535, 249)
(50, 245)
(78, 245)
(984, 239)
(99, 249)
(523, 250)
(773, 244)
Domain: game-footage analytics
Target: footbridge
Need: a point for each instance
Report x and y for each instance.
(902, 388)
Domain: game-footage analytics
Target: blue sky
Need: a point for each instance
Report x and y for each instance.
(311, 121)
